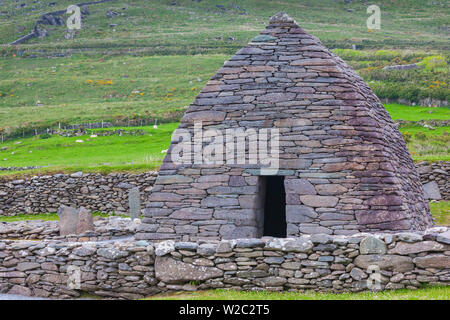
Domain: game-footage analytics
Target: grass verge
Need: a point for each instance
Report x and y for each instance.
(46, 217)
(427, 293)
(94, 154)
(441, 212)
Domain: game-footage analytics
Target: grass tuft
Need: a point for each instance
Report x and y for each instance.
(427, 293)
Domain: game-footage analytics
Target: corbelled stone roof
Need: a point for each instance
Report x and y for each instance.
(345, 163)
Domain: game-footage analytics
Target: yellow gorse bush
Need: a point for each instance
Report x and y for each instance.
(99, 82)
(437, 84)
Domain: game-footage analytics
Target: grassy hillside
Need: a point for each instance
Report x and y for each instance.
(41, 92)
(121, 64)
(187, 26)
(81, 88)
(149, 59)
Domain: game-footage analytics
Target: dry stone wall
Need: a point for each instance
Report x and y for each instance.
(133, 269)
(96, 192)
(438, 172)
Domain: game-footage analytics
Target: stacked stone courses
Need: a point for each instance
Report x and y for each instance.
(346, 165)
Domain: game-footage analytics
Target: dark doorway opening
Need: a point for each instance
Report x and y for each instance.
(275, 207)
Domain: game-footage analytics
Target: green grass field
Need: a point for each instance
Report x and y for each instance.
(441, 212)
(429, 293)
(417, 113)
(103, 153)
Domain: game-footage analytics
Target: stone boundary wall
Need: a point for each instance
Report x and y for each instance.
(130, 269)
(96, 192)
(429, 102)
(436, 171)
(109, 193)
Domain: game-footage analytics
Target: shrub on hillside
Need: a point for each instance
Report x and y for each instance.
(386, 54)
(349, 54)
(433, 62)
(407, 136)
(411, 92)
(421, 136)
(45, 136)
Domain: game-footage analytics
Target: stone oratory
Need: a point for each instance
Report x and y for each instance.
(343, 164)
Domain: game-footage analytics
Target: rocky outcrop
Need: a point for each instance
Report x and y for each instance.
(52, 18)
(134, 269)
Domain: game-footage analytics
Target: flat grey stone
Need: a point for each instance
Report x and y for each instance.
(78, 174)
(190, 246)
(405, 248)
(85, 221)
(431, 191)
(134, 203)
(142, 243)
(250, 243)
(264, 38)
(25, 266)
(111, 253)
(409, 237)
(443, 237)
(319, 201)
(274, 260)
(169, 270)
(298, 245)
(438, 261)
(164, 247)
(358, 274)
(207, 249)
(387, 262)
(372, 245)
(299, 213)
(68, 220)
(321, 238)
(224, 247)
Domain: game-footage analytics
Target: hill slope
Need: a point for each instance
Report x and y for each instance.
(199, 26)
